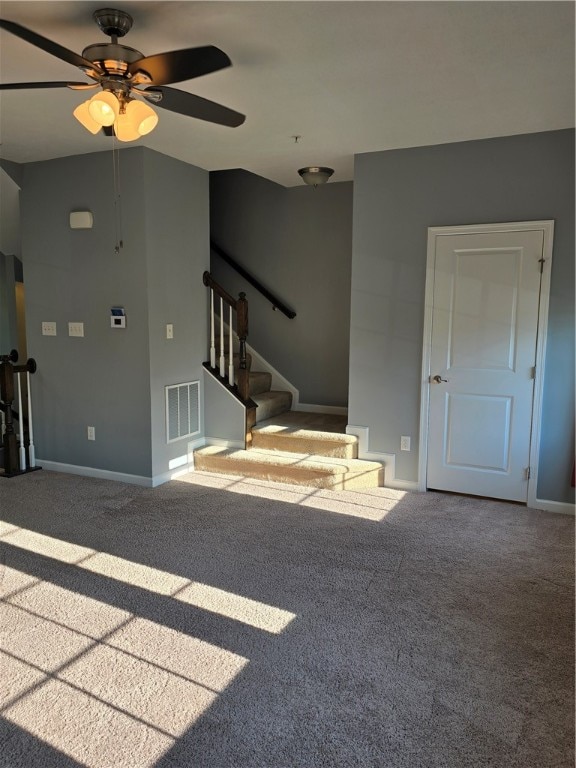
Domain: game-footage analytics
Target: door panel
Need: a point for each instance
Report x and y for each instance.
(487, 418)
(484, 310)
(484, 330)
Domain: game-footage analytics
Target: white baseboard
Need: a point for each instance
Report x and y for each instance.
(122, 477)
(560, 507)
(225, 443)
(280, 382)
(102, 474)
(388, 459)
(401, 485)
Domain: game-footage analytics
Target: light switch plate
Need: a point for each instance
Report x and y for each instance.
(48, 329)
(75, 329)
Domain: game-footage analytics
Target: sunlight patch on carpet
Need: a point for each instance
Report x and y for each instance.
(370, 503)
(92, 680)
(237, 607)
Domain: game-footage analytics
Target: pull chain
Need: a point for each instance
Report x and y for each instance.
(117, 197)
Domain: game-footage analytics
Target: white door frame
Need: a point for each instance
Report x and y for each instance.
(547, 227)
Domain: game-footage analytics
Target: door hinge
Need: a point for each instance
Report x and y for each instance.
(542, 262)
(533, 372)
(527, 473)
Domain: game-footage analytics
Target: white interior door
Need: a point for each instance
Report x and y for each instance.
(482, 357)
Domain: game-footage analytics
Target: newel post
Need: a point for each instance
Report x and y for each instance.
(242, 331)
(7, 396)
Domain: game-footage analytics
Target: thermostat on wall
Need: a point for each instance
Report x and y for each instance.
(117, 317)
(81, 220)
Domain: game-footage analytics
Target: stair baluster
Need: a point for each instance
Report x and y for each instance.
(31, 449)
(222, 356)
(22, 451)
(212, 339)
(230, 351)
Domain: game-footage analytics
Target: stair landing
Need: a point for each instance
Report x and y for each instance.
(293, 468)
(298, 448)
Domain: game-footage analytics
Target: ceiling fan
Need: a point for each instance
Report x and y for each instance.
(123, 76)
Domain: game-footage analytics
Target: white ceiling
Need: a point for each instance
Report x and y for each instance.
(348, 77)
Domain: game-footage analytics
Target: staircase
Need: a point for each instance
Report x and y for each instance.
(308, 449)
(293, 447)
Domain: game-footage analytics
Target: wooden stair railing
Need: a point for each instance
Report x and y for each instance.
(18, 452)
(218, 368)
(276, 302)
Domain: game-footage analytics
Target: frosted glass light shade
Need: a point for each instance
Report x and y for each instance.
(104, 108)
(124, 128)
(142, 117)
(315, 175)
(82, 114)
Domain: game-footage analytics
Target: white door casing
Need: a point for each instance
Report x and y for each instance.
(485, 323)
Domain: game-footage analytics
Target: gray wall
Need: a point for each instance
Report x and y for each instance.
(8, 316)
(177, 254)
(9, 250)
(9, 214)
(111, 379)
(298, 243)
(397, 196)
(225, 415)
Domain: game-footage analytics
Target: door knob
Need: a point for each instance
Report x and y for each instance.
(438, 379)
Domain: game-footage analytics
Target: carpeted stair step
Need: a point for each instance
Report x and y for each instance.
(260, 382)
(275, 437)
(293, 468)
(271, 404)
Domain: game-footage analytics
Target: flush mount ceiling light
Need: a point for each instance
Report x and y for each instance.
(315, 175)
(123, 73)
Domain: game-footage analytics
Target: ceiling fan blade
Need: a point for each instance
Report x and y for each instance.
(48, 45)
(194, 106)
(176, 66)
(55, 84)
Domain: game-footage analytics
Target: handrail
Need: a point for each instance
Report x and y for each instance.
(209, 281)
(274, 300)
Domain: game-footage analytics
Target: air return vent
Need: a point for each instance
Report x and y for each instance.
(182, 410)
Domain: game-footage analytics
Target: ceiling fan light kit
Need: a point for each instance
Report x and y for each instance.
(142, 117)
(124, 73)
(104, 108)
(82, 114)
(130, 119)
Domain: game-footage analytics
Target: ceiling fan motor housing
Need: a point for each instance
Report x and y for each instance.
(112, 57)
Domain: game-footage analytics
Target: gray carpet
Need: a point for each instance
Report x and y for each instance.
(217, 622)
